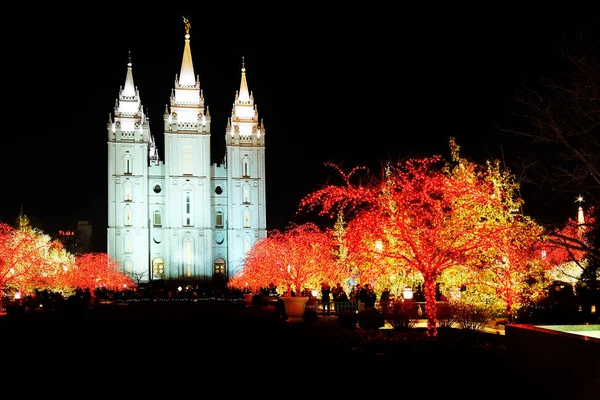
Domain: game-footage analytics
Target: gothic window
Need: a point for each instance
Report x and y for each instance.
(127, 191)
(246, 218)
(187, 160)
(157, 219)
(187, 208)
(158, 268)
(218, 189)
(246, 168)
(128, 245)
(246, 194)
(127, 164)
(219, 219)
(128, 216)
(188, 256)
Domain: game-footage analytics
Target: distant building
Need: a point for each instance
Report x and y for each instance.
(77, 239)
(184, 218)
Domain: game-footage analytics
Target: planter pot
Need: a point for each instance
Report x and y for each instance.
(294, 308)
(248, 298)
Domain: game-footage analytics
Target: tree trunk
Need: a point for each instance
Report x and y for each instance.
(430, 305)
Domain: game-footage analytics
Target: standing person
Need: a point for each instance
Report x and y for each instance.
(384, 299)
(325, 292)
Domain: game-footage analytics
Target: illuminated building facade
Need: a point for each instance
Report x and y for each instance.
(184, 218)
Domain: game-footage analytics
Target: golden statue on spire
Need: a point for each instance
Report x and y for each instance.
(187, 25)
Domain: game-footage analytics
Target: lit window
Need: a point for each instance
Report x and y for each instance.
(246, 194)
(127, 191)
(158, 268)
(246, 218)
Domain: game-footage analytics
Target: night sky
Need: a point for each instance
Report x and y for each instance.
(352, 87)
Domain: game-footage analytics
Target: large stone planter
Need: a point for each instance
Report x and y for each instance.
(294, 307)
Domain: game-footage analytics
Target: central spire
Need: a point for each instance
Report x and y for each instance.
(186, 75)
(244, 95)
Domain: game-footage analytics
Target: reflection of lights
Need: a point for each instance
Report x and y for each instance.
(180, 288)
(407, 293)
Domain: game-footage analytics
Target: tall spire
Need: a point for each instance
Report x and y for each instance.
(580, 217)
(244, 95)
(129, 89)
(186, 75)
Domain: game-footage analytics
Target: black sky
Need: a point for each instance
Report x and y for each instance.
(348, 86)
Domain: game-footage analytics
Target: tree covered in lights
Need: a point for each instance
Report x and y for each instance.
(567, 250)
(97, 270)
(31, 260)
(299, 257)
(426, 215)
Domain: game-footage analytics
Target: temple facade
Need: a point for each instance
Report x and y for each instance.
(184, 218)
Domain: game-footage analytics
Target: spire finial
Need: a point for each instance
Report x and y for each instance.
(129, 59)
(187, 25)
(579, 199)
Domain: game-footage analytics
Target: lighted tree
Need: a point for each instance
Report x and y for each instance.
(423, 214)
(566, 250)
(511, 274)
(292, 260)
(98, 270)
(26, 260)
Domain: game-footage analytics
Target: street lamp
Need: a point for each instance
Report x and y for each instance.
(407, 293)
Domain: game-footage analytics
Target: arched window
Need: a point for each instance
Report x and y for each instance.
(127, 191)
(246, 168)
(127, 216)
(158, 268)
(157, 218)
(127, 164)
(128, 267)
(246, 194)
(246, 218)
(219, 219)
(188, 257)
(187, 208)
(187, 160)
(219, 267)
